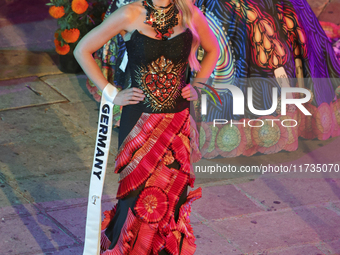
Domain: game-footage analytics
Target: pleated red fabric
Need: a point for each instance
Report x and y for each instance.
(156, 141)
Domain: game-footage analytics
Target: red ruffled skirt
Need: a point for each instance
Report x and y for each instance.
(154, 163)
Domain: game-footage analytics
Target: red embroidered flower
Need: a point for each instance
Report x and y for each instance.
(152, 205)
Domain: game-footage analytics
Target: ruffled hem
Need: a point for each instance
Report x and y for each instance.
(153, 237)
(232, 141)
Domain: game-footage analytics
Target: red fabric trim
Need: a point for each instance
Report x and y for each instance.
(108, 216)
(171, 244)
(104, 242)
(146, 157)
(188, 247)
(158, 244)
(136, 138)
(143, 244)
(130, 228)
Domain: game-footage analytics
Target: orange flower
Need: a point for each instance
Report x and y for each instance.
(103, 15)
(61, 50)
(70, 35)
(56, 11)
(56, 35)
(79, 6)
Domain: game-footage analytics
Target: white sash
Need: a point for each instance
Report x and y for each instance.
(101, 153)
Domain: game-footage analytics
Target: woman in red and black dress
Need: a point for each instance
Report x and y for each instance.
(157, 135)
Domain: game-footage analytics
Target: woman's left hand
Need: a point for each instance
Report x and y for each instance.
(189, 93)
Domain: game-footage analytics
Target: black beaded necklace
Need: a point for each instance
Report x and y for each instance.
(162, 20)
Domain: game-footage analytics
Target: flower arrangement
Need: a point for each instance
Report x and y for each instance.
(75, 19)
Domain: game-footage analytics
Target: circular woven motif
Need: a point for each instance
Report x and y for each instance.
(271, 137)
(231, 141)
(228, 138)
(151, 205)
(311, 95)
(211, 150)
(306, 128)
(323, 122)
(292, 131)
(204, 137)
(267, 136)
(250, 147)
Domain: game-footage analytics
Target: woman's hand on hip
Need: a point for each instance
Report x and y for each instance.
(189, 93)
(129, 96)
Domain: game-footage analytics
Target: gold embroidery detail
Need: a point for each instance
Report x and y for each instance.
(160, 82)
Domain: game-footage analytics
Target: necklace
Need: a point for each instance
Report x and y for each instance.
(163, 7)
(162, 20)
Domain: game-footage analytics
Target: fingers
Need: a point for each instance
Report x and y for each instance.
(137, 94)
(134, 95)
(135, 98)
(190, 97)
(133, 102)
(189, 93)
(186, 91)
(134, 91)
(186, 95)
(186, 88)
(129, 96)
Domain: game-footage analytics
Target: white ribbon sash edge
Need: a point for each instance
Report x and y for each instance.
(101, 153)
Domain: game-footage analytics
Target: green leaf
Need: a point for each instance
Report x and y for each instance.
(69, 16)
(208, 92)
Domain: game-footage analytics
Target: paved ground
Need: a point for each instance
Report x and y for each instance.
(46, 148)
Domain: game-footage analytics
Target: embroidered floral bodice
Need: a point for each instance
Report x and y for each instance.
(158, 68)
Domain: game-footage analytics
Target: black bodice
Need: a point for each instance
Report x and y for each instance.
(158, 68)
